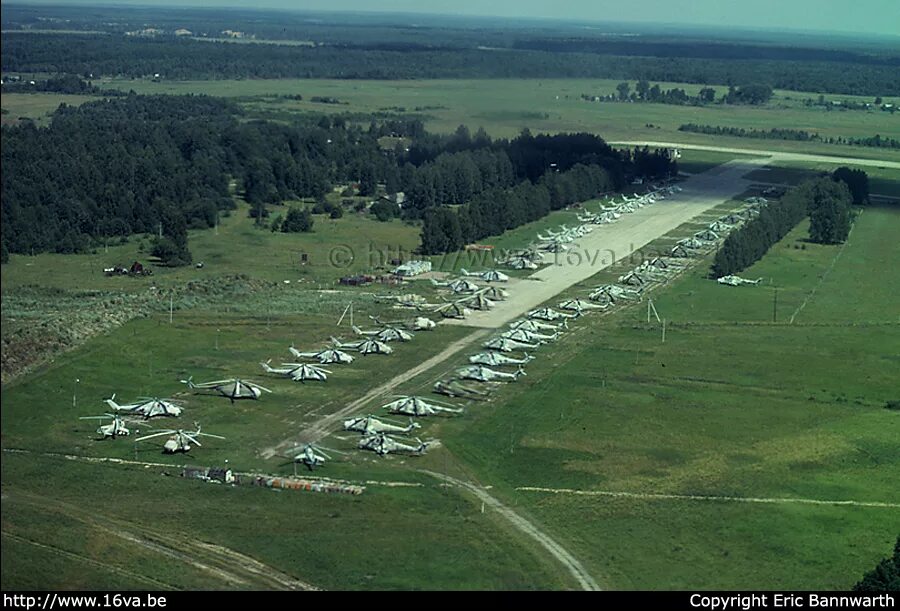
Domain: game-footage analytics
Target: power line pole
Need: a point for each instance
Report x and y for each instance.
(775, 305)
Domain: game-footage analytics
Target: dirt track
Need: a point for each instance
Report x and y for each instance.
(622, 239)
(580, 574)
(231, 568)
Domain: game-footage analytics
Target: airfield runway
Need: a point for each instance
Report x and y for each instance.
(775, 156)
(607, 244)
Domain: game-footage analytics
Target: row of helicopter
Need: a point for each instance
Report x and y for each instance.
(504, 357)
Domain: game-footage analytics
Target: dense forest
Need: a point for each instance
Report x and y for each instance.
(780, 133)
(164, 164)
(93, 56)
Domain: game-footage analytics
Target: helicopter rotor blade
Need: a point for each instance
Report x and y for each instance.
(160, 434)
(208, 435)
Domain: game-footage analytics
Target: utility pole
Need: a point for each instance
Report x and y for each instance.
(75, 393)
(775, 305)
(171, 306)
(664, 330)
(160, 229)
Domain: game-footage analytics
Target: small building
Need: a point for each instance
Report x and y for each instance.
(398, 198)
(412, 268)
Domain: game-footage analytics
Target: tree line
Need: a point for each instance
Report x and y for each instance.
(182, 59)
(826, 200)
(447, 229)
(754, 94)
(778, 133)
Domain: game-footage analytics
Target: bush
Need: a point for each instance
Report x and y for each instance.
(885, 577)
(385, 211)
(297, 220)
(169, 253)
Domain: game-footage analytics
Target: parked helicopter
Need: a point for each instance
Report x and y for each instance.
(234, 388)
(504, 344)
(372, 424)
(114, 429)
(460, 285)
(491, 275)
(328, 356)
(311, 455)
(299, 372)
(365, 346)
(382, 445)
(578, 305)
(486, 374)
(387, 334)
(148, 407)
(521, 335)
(455, 388)
(180, 440)
(529, 324)
(417, 406)
(497, 358)
(549, 314)
(736, 280)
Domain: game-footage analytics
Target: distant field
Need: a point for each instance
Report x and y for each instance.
(505, 107)
(37, 106)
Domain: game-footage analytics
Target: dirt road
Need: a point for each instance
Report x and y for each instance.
(622, 239)
(558, 551)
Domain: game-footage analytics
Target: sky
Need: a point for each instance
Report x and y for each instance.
(857, 16)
